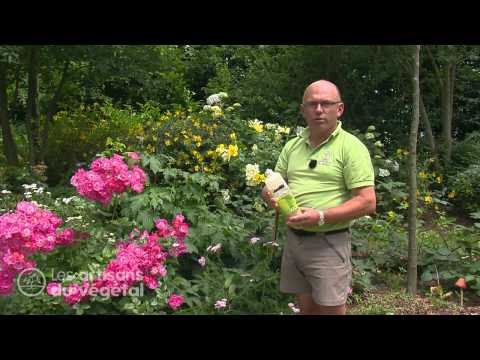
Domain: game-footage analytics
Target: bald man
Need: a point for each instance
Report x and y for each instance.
(330, 173)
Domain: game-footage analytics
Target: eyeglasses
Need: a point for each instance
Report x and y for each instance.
(323, 104)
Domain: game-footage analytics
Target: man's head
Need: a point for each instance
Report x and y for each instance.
(322, 106)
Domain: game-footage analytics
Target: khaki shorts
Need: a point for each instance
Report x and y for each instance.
(319, 265)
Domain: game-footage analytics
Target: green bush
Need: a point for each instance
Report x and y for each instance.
(466, 185)
(467, 152)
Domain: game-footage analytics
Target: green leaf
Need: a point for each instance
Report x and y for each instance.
(155, 165)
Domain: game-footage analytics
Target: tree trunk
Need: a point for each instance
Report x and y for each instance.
(53, 106)
(412, 177)
(14, 105)
(9, 146)
(33, 112)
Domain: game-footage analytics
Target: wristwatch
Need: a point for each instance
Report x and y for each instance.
(321, 221)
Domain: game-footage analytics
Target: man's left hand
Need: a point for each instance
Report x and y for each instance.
(304, 217)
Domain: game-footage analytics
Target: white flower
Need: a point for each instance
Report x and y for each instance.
(251, 172)
(202, 261)
(207, 107)
(254, 240)
(73, 218)
(383, 172)
(236, 105)
(283, 130)
(271, 243)
(220, 304)
(378, 143)
(299, 130)
(214, 249)
(226, 195)
(213, 99)
(396, 166)
(371, 128)
(6, 192)
(67, 200)
(254, 148)
(369, 136)
(293, 308)
(270, 126)
(222, 95)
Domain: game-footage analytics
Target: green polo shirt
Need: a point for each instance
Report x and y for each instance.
(343, 163)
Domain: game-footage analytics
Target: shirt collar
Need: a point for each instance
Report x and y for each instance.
(305, 134)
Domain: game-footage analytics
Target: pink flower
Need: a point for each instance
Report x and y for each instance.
(54, 289)
(151, 282)
(254, 240)
(178, 220)
(175, 301)
(133, 155)
(107, 177)
(73, 295)
(162, 227)
(65, 237)
(202, 261)
(221, 304)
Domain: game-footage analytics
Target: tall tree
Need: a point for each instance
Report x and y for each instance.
(33, 110)
(9, 146)
(412, 175)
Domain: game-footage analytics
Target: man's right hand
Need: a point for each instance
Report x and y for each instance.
(269, 199)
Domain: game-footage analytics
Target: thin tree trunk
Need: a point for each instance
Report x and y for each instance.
(33, 112)
(447, 91)
(412, 177)
(17, 87)
(52, 109)
(9, 146)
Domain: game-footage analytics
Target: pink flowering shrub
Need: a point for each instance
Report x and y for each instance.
(107, 177)
(142, 259)
(23, 233)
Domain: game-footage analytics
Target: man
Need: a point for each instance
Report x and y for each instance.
(330, 173)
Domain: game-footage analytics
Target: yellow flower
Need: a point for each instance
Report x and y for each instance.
(150, 149)
(256, 124)
(197, 168)
(423, 175)
(168, 142)
(220, 149)
(259, 178)
(233, 136)
(428, 199)
(439, 179)
(399, 152)
(451, 194)
(232, 151)
(391, 215)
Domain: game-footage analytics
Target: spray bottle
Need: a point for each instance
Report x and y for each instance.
(281, 192)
